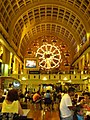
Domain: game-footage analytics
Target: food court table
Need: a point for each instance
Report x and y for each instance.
(26, 111)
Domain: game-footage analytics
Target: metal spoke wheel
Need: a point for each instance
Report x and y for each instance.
(49, 56)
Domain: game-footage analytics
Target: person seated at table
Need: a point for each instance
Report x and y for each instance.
(78, 113)
(37, 98)
(86, 101)
(75, 99)
(11, 103)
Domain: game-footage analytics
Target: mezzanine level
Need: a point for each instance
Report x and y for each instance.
(52, 78)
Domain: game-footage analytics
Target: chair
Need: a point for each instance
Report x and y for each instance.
(23, 105)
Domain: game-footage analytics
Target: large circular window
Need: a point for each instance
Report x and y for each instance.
(49, 56)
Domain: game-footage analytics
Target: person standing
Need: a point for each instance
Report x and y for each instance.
(38, 99)
(49, 99)
(66, 106)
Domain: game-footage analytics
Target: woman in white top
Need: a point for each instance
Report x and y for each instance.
(11, 103)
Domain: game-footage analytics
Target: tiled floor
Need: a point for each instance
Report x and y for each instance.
(43, 114)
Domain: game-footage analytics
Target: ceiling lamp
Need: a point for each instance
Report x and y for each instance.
(54, 40)
(29, 51)
(66, 63)
(67, 54)
(36, 44)
(49, 56)
(44, 39)
(62, 46)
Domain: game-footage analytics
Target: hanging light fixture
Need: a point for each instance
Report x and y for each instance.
(62, 46)
(44, 39)
(67, 54)
(66, 63)
(29, 51)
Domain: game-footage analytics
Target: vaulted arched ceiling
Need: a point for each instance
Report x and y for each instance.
(27, 22)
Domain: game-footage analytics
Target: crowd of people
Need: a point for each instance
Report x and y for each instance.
(75, 107)
(72, 106)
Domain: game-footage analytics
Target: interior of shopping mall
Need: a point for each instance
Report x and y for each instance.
(45, 44)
